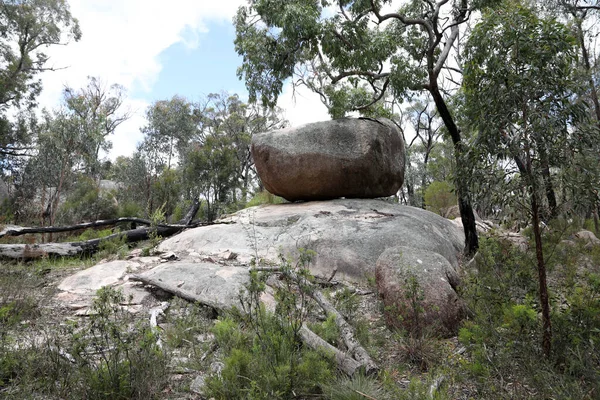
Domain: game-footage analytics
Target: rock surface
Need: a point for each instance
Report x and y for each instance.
(355, 158)
(89, 280)
(417, 290)
(588, 237)
(348, 235)
(221, 284)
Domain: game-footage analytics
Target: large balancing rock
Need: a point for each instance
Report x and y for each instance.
(358, 158)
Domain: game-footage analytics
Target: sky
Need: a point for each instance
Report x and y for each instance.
(155, 50)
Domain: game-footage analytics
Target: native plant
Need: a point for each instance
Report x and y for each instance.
(116, 358)
(520, 87)
(267, 360)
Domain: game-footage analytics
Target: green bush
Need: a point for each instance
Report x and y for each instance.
(92, 233)
(267, 360)
(116, 246)
(328, 330)
(107, 357)
(356, 388)
(269, 365)
(87, 203)
(115, 359)
(129, 209)
(503, 331)
(264, 197)
(438, 196)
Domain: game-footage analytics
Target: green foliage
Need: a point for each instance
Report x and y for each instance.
(264, 197)
(158, 217)
(358, 387)
(577, 330)
(439, 196)
(184, 323)
(115, 246)
(269, 366)
(29, 29)
(85, 202)
(503, 330)
(347, 303)
(92, 233)
(129, 209)
(327, 330)
(210, 171)
(165, 191)
(113, 361)
(268, 361)
(107, 357)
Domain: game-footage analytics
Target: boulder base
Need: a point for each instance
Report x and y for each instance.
(355, 158)
(417, 290)
(348, 235)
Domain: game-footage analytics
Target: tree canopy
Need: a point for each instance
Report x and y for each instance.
(27, 29)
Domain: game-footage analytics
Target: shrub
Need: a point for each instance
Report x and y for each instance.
(356, 388)
(264, 197)
(87, 203)
(268, 360)
(438, 196)
(503, 330)
(114, 358)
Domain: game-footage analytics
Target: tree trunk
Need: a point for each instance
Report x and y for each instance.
(548, 186)
(588, 68)
(596, 221)
(31, 251)
(86, 225)
(27, 251)
(526, 171)
(543, 286)
(345, 362)
(462, 183)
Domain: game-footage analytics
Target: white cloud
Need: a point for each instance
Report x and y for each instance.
(302, 106)
(121, 42)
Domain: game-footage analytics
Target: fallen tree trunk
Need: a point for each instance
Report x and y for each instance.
(178, 292)
(67, 249)
(344, 361)
(347, 332)
(86, 225)
(31, 251)
(186, 222)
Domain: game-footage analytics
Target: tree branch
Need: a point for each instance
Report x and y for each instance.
(406, 21)
(369, 74)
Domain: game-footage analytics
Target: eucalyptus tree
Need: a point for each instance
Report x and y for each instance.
(521, 98)
(209, 173)
(67, 143)
(171, 124)
(27, 29)
(95, 111)
(424, 120)
(583, 17)
(354, 52)
(228, 115)
(50, 172)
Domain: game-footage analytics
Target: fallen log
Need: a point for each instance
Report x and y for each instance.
(178, 292)
(344, 361)
(347, 332)
(85, 225)
(186, 222)
(87, 247)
